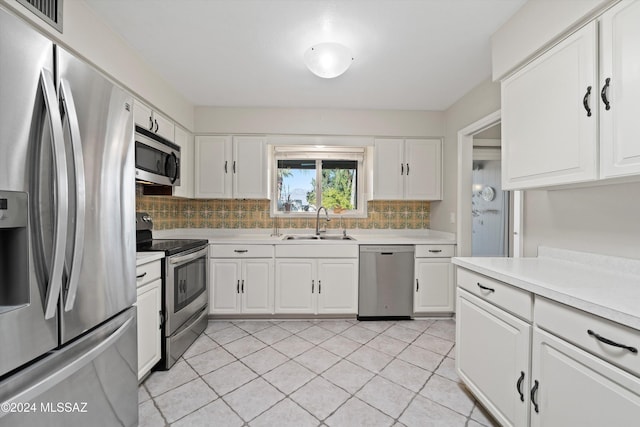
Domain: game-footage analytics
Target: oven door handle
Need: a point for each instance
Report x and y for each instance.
(187, 258)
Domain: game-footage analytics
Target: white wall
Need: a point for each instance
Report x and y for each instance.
(88, 37)
(311, 121)
(535, 24)
(603, 220)
(481, 101)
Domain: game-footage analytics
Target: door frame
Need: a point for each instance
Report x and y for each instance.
(465, 181)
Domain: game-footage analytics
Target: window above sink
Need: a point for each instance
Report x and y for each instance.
(307, 177)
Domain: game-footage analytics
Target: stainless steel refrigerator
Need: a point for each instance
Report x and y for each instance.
(68, 354)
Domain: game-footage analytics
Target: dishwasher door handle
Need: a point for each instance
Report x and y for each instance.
(386, 253)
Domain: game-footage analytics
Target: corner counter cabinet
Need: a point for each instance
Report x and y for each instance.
(533, 361)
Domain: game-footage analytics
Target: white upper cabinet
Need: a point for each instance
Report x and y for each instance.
(388, 170)
(550, 116)
(250, 167)
(153, 121)
(228, 167)
(185, 141)
(620, 87)
(212, 167)
(408, 169)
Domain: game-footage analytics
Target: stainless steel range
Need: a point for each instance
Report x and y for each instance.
(185, 297)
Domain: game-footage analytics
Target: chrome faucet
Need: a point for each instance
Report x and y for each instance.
(318, 219)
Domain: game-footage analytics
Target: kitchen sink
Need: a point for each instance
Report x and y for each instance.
(317, 238)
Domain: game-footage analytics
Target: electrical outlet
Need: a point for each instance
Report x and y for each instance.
(452, 217)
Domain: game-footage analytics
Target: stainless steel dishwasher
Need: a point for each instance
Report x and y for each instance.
(386, 282)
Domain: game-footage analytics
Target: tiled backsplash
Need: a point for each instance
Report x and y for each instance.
(172, 212)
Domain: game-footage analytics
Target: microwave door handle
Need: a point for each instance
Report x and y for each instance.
(61, 196)
(174, 159)
(78, 162)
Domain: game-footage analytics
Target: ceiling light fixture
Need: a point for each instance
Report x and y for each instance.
(328, 60)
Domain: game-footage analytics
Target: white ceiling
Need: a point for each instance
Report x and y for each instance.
(409, 54)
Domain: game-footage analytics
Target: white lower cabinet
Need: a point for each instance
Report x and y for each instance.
(434, 286)
(316, 286)
(566, 368)
(574, 388)
(149, 309)
(493, 358)
(241, 286)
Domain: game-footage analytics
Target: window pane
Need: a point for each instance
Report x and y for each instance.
(295, 190)
(339, 179)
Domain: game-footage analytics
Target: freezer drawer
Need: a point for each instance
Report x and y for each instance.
(93, 381)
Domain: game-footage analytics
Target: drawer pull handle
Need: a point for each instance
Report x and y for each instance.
(519, 386)
(140, 276)
(240, 251)
(485, 288)
(612, 343)
(534, 392)
(435, 251)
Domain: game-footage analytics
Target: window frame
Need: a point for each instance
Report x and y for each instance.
(318, 154)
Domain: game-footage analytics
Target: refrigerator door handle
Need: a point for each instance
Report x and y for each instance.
(45, 379)
(66, 96)
(61, 196)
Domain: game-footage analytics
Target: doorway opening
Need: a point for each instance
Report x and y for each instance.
(489, 204)
(489, 220)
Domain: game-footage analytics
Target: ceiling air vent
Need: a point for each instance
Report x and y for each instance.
(48, 10)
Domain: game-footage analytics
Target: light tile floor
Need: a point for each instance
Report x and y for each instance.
(314, 373)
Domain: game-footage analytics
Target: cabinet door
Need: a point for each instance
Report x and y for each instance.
(434, 290)
(249, 168)
(492, 358)
(185, 141)
(388, 169)
(423, 169)
(224, 296)
(579, 389)
(620, 53)
(296, 286)
(338, 286)
(163, 127)
(256, 286)
(548, 138)
(213, 167)
(142, 116)
(149, 334)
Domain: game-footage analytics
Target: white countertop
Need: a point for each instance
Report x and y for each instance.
(362, 237)
(602, 285)
(147, 257)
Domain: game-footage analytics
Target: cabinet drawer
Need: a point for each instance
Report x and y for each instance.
(241, 251)
(514, 300)
(435, 251)
(317, 251)
(573, 325)
(147, 273)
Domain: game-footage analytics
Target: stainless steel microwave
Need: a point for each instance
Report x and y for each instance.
(157, 160)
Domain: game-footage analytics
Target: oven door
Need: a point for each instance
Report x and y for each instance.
(186, 288)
